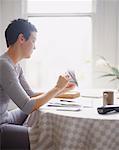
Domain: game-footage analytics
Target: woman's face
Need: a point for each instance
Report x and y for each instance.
(28, 45)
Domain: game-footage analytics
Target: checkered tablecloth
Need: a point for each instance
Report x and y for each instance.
(74, 131)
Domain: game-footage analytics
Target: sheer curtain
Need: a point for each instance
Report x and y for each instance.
(105, 39)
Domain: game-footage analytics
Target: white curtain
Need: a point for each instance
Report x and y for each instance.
(105, 37)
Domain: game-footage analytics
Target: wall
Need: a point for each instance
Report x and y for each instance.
(0, 25)
(11, 9)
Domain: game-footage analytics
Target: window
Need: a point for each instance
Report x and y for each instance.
(64, 41)
(78, 6)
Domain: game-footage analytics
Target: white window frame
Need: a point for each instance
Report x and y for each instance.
(87, 14)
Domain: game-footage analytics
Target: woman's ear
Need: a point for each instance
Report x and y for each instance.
(21, 38)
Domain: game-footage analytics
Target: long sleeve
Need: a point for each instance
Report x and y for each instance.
(13, 88)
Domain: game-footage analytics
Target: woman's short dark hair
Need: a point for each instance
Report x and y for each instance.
(15, 28)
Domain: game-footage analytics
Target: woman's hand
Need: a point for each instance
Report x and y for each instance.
(68, 87)
(62, 82)
(71, 85)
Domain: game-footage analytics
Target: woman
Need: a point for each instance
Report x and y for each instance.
(20, 39)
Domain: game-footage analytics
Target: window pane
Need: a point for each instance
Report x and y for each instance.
(62, 43)
(79, 6)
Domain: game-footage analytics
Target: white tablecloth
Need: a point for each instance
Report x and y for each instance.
(81, 130)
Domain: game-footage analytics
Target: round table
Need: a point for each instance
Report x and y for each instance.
(68, 130)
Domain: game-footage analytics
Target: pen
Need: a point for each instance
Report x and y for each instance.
(50, 105)
(62, 100)
(67, 110)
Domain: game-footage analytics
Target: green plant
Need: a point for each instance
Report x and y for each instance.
(114, 71)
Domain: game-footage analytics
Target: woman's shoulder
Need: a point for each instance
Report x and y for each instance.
(7, 64)
(4, 62)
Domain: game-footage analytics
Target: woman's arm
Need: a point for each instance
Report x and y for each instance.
(61, 84)
(41, 97)
(13, 88)
(44, 98)
(36, 95)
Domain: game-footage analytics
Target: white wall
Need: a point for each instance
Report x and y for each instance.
(0, 25)
(118, 41)
(11, 9)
